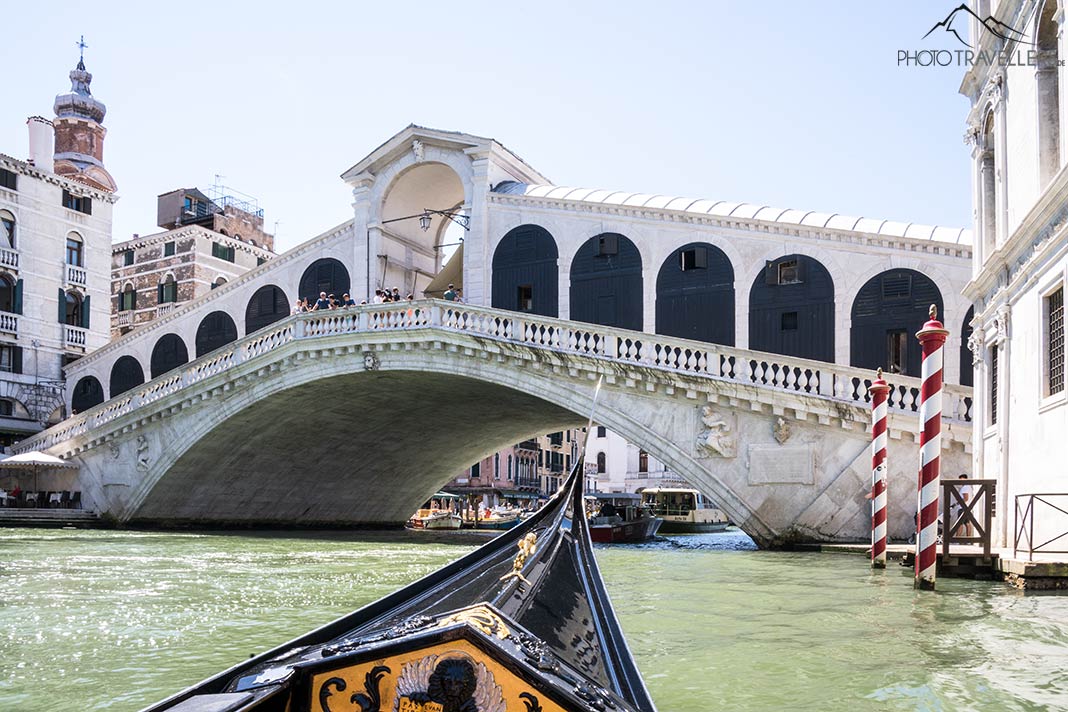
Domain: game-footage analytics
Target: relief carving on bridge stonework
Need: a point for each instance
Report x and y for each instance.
(782, 430)
(113, 449)
(143, 457)
(418, 150)
(370, 361)
(716, 435)
(975, 345)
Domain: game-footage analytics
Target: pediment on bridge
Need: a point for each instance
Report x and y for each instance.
(416, 139)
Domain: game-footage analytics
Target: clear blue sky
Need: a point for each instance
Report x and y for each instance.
(781, 102)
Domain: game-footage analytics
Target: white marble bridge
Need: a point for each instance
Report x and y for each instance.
(355, 416)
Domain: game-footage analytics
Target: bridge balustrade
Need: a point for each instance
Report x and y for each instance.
(639, 349)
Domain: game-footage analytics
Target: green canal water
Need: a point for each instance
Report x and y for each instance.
(99, 620)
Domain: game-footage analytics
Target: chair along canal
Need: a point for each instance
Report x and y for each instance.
(115, 620)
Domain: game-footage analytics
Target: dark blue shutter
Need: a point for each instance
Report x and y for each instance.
(16, 305)
(62, 307)
(85, 312)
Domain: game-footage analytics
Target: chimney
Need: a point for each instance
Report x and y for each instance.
(42, 137)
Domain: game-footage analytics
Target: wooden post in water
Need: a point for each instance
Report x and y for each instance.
(932, 338)
(878, 390)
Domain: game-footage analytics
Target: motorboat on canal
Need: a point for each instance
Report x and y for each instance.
(620, 518)
(522, 624)
(499, 518)
(684, 511)
(437, 513)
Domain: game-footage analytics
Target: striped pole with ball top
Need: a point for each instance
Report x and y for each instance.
(878, 390)
(932, 338)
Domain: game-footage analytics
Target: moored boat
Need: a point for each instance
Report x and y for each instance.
(522, 624)
(684, 511)
(618, 518)
(436, 514)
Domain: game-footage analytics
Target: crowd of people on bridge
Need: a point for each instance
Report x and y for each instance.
(382, 296)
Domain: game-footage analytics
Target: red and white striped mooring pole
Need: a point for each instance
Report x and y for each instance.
(932, 339)
(879, 390)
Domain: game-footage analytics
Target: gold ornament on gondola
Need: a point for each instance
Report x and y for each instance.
(526, 547)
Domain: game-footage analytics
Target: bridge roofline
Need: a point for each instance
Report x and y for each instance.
(401, 142)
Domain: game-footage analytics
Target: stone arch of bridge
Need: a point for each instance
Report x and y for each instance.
(332, 443)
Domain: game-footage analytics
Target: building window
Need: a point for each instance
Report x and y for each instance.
(127, 258)
(788, 321)
(168, 291)
(168, 248)
(128, 299)
(74, 250)
(8, 294)
(7, 229)
(994, 384)
(601, 463)
(601, 431)
(476, 469)
(789, 272)
(219, 281)
(73, 311)
(80, 203)
(8, 179)
(1055, 342)
(693, 258)
(7, 408)
(897, 287)
(897, 345)
(525, 298)
(556, 439)
(643, 461)
(10, 358)
(223, 252)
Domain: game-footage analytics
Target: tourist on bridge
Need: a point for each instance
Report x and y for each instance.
(298, 306)
(396, 295)
(322, 302)
(378, 297)
(450, 294)
(347, 301)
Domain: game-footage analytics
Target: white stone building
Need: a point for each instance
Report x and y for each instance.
(55, 238)
(1017, 133)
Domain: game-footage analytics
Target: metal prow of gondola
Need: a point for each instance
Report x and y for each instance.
(521, 624)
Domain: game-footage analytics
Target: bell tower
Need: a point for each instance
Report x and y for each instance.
(79, 131)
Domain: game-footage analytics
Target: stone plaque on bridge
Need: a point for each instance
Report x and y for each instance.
(776, 465)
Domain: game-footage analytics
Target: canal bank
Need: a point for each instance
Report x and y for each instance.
(113, 620)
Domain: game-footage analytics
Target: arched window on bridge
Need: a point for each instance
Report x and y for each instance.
(268, 305)
(606, 282)
(791, 309)
(526, 272)
(966, 361)
(324, 275)
(695, 295)
(216, 330)
(87, 393)
(887, 312)
(169, 353)
(126, 374)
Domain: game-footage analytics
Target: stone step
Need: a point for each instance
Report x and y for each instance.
(47, 517)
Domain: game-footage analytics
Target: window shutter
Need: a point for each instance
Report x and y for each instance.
(16, 359)
(88, 203)
(771, 275)
(62, 307)
(159, 294)
(133, 299)
(801, 268)
(700, 258)
(85, 312)
(16, 305)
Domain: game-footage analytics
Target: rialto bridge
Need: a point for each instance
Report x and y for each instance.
(357, 415)
(827, 292)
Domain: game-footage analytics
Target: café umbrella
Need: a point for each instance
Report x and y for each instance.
(35, 461)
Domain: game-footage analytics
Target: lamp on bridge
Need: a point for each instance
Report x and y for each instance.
(427, 216)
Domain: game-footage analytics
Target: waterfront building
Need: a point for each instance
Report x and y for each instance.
(1016, 129)
(621, 466)
(55, 233)
(207, 242)
(529, 470)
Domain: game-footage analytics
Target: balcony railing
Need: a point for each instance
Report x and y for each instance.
(124, 318)
(9, 323)
(164, 309)
(76, 275)
(9, 258)
(74, 336)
